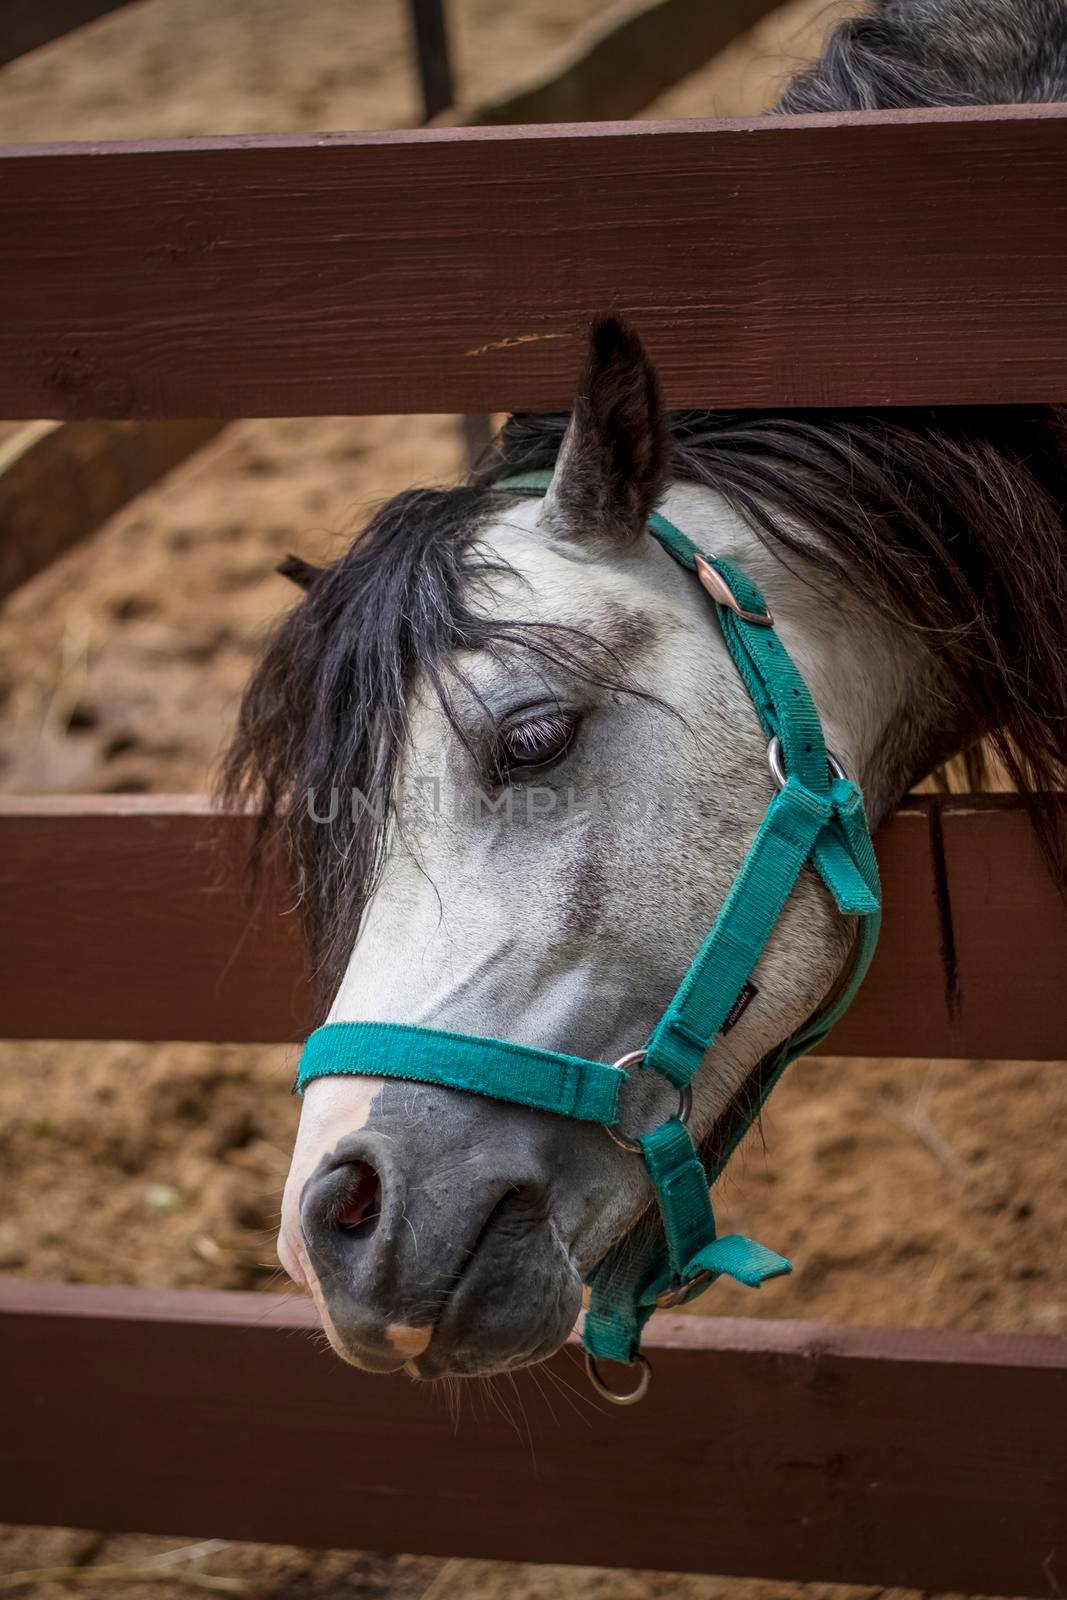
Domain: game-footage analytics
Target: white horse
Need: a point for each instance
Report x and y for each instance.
(517, 771)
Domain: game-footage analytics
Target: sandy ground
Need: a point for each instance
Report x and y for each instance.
(906, 1192)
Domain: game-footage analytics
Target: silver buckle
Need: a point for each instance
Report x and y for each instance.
(774, 761)
(685, 1103)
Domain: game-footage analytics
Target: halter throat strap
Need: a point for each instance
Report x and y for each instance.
(815, 818)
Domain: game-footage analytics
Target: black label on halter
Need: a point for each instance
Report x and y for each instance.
(739, 1007)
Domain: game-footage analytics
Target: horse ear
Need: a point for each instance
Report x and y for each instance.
(299, 571)
(613, 463)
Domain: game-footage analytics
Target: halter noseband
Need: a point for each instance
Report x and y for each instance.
(816, 816)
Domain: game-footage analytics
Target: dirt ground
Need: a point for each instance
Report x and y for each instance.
(912, 1192)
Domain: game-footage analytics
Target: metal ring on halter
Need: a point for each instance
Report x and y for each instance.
(633, 1395)
(774, 761)
(685, 1103)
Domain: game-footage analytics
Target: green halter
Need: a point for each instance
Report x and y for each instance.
(816, 815)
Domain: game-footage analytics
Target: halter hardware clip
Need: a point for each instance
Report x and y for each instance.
(777, 764)
(679, 1293)
(683, 1113)
(723, 595)
(629, 1397)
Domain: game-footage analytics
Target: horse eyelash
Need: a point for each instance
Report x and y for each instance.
(555, 725)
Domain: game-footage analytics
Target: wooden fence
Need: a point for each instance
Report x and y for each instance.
(884, 259)
(894, 258)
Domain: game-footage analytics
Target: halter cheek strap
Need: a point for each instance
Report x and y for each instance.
(816, 817)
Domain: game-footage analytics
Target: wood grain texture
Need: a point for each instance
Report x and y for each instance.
(883, 258)
(135, 902)
(142, 898)
(60, 482)
(25, 25)
(1002, 901)
(866, 1455)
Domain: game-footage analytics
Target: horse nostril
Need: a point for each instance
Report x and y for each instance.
(360, 1201)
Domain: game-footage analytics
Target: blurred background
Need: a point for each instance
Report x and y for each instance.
(906, 1192)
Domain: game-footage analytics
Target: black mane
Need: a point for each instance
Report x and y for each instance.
(326, 709)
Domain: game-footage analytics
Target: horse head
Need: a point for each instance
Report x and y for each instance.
(521, 772)
(517, 773)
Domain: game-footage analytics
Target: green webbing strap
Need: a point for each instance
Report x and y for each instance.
(678, 1178)
(813, 817)
(709, 990)
(626, 1287)
(810, 818)
(543, 1079)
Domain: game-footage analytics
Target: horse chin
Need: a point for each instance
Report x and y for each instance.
(476, 1364)
(481, 1334)
(494, 1321)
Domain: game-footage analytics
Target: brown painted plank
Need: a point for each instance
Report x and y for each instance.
(59, 483)
(126, 903)
(779, 1449)
(902, 1010)
(27, 24)
(1001, 901)
(457, 269)
(133, 905)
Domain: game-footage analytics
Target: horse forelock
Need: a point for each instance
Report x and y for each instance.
(325, 716)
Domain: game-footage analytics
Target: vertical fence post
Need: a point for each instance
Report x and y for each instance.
(431, 51)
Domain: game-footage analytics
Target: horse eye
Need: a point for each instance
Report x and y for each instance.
(536, 742)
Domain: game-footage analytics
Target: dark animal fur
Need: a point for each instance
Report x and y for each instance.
(618, 451)
(298, 571)
(949, 521)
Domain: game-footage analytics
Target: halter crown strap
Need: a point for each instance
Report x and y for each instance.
(816, 816)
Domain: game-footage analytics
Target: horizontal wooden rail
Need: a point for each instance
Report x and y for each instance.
(119, 919)
(859, 259)
(60, 482)
(779, 1449)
